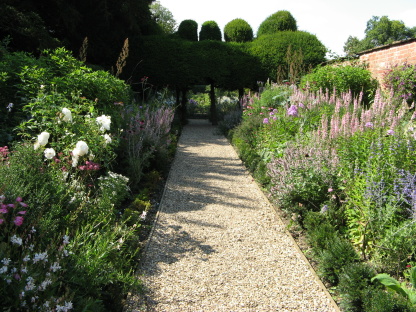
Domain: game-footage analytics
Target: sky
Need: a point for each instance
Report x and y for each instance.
(332, 21)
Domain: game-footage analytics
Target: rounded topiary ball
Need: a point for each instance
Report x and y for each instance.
(279, 21)
(210, 31)
(188, 29)
(238, 30)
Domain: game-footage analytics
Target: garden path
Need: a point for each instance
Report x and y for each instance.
(217, 244)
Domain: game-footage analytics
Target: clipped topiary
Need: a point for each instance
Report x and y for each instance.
(238, 30)
(188, 30)
(272, 51)
(279, 21)
(210, 31)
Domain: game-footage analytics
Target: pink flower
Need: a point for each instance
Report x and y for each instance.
(330, 190)
(19, 199)
(266, 120)
(3, 210)
(18, 221)
(1, 221)
(22, 212)
(23, 204)
(390, 132)
(10, 205)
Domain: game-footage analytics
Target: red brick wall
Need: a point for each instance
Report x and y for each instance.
(382, 58)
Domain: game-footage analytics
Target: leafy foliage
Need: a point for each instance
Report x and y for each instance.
(188, 30)
(279, 21)
(163, 17)
(210, 31)
(238, 30)
(272, 51)
(401, 80)
(379, 31)
(341, 79)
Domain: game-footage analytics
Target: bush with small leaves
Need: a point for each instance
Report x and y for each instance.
(279, 21)
(210, 31)
(188, 30)
(342, 79)
(238, 30)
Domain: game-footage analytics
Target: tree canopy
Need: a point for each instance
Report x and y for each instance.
(163, 17)
(379, 31)
(37, 25)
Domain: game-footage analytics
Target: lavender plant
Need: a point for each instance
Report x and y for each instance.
(146, 134)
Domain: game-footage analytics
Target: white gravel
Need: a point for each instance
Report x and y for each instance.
(217, 244)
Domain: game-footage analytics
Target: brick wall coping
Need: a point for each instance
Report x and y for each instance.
(387, 46)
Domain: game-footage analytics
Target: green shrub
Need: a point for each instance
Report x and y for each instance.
(279, 21)
(401, 79)
(354, 280)
(319, 230)
(342, 79)
(272, 51)
(210, 31)
(396, 249)
(332, 260)
(188, 30)
(379, 300)
(238, 30)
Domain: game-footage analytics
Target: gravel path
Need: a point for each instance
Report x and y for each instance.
(217, 244)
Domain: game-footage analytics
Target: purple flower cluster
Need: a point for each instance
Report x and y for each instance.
(293, 111)
(6, 209)
(405, 190)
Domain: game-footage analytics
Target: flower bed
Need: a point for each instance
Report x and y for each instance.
(72, 200)
(343, 174)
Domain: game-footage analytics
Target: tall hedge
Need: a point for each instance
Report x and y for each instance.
(210, 31)
(279, 21)
(272, 50)
(188, 30)
(238, 30)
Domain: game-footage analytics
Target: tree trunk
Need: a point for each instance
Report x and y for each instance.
(213, 106)
(183, 106)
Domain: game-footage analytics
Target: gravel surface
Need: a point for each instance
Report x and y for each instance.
(217, 244)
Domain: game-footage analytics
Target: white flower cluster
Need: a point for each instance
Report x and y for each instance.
(43, 139)
(66, 307)
(16, 240)
(42, 256)
(67, 115)
(116, 183)
(104, 122)
(81, 149)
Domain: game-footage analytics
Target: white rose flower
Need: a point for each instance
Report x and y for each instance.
(67, 115)
(104, 122)
(43, 138)
(49, 153)
(107, 138)
(82, 148)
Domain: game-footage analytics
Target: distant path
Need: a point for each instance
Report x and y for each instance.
(217, 244)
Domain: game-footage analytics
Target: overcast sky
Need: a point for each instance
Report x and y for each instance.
(332, 21)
